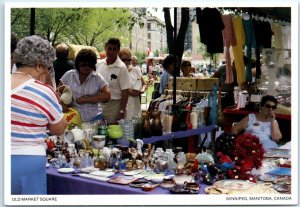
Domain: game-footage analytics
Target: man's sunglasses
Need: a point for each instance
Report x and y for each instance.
(125, 60)
(268, 106)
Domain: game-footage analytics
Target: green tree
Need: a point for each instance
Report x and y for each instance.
(213, 58)
(99, 24)
(85, 26)
(141, 57)
(54, 22)
(20, 21)
(51, 23)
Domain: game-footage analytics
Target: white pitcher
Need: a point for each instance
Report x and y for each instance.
(78, 134)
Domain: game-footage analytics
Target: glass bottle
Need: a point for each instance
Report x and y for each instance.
(236, 94)
(188, 117)
(194, 118)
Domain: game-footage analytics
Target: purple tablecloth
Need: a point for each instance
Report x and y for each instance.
(180, 134)
(66, 184)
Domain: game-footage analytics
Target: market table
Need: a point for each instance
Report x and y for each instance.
(66, 184)
(180, 134)
(183, 134)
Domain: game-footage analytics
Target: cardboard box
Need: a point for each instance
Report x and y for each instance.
(183, 83)
(207, 84)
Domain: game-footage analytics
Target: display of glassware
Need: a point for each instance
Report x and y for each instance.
(90, 128)
(164, 160)
(128, 127)
(61, 162)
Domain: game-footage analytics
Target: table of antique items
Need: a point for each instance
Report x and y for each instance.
(109, 159)
(68, 184)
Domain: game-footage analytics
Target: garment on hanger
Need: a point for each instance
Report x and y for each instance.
(250, 42)
(210, 25)
(263, 36)
(286, 32)
(238, 49)
(270, 59)
(229, 39)
(263, 33)
(278, 37)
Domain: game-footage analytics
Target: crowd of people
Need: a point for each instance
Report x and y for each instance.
(46, 85)
(109, 89)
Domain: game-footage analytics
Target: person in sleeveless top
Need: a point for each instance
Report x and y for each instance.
(263, 124)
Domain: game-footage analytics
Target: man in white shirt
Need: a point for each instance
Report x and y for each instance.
(115, 72)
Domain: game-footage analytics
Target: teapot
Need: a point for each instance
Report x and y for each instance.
(115, 131)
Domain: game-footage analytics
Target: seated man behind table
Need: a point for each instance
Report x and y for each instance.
(263, 124)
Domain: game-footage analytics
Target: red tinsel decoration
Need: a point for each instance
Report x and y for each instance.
(247, 153)
(248, 146)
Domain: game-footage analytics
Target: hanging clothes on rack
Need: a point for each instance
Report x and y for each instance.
(210, 26)
(238, 49)
(250, 43)
(286, 31)
(229, 39)
(263, 36)
(185, 101)
(278, 37)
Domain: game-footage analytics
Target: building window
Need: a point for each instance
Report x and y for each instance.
(149, 26)
(149, 36)
(149, 44)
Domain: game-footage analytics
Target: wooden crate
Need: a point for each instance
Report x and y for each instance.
(206, 84)
(183, 83)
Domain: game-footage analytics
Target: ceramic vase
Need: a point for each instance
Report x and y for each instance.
(156, 125)
(146, 127)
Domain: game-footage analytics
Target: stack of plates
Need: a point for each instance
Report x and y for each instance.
(102, 173)
(66, 170)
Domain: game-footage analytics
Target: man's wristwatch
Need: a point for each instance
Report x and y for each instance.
(121, 112)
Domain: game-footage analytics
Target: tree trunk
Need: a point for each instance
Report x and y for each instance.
(185, 17)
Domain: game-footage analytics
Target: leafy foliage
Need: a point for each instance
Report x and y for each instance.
(84, 26)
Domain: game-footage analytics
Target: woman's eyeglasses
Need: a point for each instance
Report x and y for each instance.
(125, 60)
(268, 106)
(86, 65)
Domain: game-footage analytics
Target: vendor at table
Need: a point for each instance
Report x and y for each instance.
(88, 87)
(263, 124)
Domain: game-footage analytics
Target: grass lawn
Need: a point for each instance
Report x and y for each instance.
(149, 90)
(149, 93)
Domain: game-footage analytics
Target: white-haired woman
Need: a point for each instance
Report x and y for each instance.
(34, 109)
